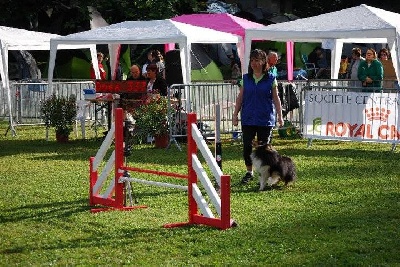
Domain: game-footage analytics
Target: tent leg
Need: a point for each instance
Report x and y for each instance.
(11, 127)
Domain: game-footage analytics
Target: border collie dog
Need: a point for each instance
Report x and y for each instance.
(272, 166)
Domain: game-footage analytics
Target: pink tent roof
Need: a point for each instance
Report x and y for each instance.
(220, 21)
(231, 24)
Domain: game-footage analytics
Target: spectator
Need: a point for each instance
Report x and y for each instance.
(389, 74)
(235, 70)
(103, 74)
(150, 59)
(154, 56)
(127, 100)
(259, 104)
(352, 74)
(370, 71)
(134, 73)
(272, 61)
(344, 63)
(155, 81)
(159, 61)
(317, 58)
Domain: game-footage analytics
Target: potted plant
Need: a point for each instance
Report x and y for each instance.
(59, 112)
(151, 118)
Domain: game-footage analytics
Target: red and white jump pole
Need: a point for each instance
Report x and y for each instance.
(199, 211)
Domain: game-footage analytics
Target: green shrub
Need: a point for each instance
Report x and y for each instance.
(59, 112)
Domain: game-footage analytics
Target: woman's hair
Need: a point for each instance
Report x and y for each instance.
(258, 54)
(156, 55)
(384, 51)
(152, 66)
(356, 51)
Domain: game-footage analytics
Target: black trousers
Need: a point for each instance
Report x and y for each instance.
(249, 132)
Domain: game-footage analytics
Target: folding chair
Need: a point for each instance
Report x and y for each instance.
(310, 68)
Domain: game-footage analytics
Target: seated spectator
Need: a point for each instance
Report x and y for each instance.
(134, 73)
(127, 100)
(317, 57)
(150, 59)
(155, 81)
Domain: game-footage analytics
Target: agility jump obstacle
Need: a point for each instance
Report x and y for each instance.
(199, 212)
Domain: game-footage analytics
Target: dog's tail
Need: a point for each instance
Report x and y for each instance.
(291, 175)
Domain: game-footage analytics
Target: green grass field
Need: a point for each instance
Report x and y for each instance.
(343, 210)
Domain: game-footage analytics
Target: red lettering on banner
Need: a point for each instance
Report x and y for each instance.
(396, 134)
(365, 131)
(330, 128)
(115, 87)
(383, 128)
(368, 133)
(360, 131)
(352, 128)
(341, 129)
(388, 132)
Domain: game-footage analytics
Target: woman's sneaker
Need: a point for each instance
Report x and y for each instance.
(248, 176)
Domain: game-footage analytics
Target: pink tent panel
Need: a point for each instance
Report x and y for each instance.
(225, 22)
(221, 22)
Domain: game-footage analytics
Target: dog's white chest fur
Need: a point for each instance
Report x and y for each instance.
(256, 162)
(263, 170)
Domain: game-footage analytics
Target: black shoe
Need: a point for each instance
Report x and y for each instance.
(247, 178)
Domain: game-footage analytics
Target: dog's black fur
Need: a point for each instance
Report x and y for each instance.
(272, 166)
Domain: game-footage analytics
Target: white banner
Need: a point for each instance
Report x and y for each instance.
(352, 116)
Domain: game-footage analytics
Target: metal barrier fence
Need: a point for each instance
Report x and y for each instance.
(27, 96)
(202, 99)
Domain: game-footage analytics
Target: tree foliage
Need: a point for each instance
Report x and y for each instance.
(308, 8)
(69, 16)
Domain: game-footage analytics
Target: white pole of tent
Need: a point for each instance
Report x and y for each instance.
(6, 84)
(52, 62)
(185, 63)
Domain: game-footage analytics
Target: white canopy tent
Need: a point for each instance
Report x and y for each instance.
(360, 24)
(146, 32)
(19, 39)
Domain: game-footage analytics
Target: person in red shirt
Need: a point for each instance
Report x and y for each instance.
(103, 73)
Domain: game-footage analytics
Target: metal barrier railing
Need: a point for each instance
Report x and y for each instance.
(200, 98)
(27, 96)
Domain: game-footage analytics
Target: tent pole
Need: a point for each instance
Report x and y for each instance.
(6, 86)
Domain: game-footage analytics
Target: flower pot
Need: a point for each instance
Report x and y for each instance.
(62, 138)
(161, 141)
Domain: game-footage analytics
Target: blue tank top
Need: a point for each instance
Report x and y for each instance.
(257, 105)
